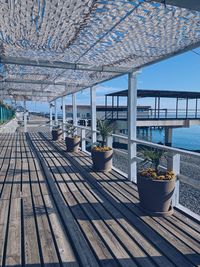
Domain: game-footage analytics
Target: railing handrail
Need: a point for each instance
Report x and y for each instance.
(147, 143)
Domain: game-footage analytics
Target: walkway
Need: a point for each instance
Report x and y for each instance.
(55, 211)
(9, 127)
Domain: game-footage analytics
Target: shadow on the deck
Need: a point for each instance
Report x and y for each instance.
(102, 262)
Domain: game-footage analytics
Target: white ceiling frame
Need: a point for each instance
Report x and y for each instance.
(61, 65)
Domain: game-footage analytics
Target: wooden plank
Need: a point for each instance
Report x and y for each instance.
(4, 207)
(32, 255)
(16, 183)
(47, 245)
(8, 172)
(13, 251)
(97, 244)
(5, 164)
(65, 250)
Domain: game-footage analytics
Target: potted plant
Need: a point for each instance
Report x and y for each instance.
(56, 132)
(72, 140)
(155, 186)
(102, 154)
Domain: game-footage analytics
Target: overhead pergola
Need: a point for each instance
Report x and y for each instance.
(56, 47)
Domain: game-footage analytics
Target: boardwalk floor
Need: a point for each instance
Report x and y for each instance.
(55, 211)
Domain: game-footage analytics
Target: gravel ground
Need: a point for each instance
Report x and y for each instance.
(190, 166)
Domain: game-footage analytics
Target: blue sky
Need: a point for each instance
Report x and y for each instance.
(180, 73)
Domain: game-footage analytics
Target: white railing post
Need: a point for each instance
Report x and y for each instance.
(173, 164)
(109, 141)
(74, 109)
(83, 143)
(63, 117)
(132, 129)
(56, 111)
(25, 117)
(93, 114)
(51, 115)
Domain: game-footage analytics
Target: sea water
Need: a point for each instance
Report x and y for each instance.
(186, 138)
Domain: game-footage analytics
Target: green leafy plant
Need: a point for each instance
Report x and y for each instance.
(152, 157)
(105, 129)
(71, 130)
(56, 127)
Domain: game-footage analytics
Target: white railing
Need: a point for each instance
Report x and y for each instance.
(173, 161)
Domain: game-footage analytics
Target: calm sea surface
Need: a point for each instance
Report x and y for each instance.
(187, 138)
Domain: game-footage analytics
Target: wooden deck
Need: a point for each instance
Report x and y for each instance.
(55, 211)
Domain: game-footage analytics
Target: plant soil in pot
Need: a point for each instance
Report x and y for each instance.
(72, 143)
(102, 158)
(56, 134)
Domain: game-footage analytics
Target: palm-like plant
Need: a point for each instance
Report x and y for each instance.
(71, 130)
(153, 157)
(105, 129)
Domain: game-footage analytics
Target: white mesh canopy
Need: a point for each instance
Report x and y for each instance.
(103, 39)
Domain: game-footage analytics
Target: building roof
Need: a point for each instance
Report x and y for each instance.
(53, 48)
(159, 93)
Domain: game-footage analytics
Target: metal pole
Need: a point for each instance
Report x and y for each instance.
(186, 107)
(117, 107)
(63, 117)
(158, 107)
(93, 114)
(132, 129)
(51, 115)
(155, 107)
(112, 105)
(25, 117)
(176, 107)
(196, 108)
(106, 106)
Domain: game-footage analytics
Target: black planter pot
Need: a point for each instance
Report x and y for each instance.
(156, 195)
(56, 134)
(72, 144)
(102, 161)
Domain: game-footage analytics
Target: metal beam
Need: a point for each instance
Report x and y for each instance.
(42, 82)
(188, 4)
(60, 65)
(32, 93)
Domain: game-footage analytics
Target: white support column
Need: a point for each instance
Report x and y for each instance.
(25, 117)
(173, 164)
(83, 143)
(74, 109)
(56, 111)
(63, 117)
(168, 136)
(109, 141)
(132, 129)
(51, 115)
(93, 114)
